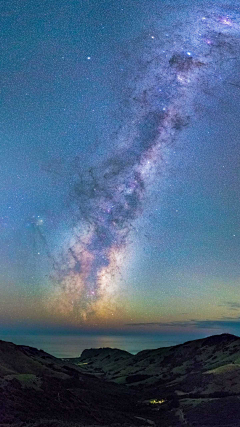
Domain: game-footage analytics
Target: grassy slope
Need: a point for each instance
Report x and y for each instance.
(200, 379)
(39, 390)
(35, 385)
(178, 367)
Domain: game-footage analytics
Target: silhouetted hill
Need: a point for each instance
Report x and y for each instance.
(99, 357)
(198, 377)
(115, 353)
(36, 387)
(193, 384)
(168, 365)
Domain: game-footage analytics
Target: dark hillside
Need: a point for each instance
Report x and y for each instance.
(190, 380)
(177, 366)
(193, 384)
(36, 386)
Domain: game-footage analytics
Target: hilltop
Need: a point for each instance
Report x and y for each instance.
(36, 387)
(176, 364)
(192, 384)
(201, 376)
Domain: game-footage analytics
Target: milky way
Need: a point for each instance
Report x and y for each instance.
(173, 68)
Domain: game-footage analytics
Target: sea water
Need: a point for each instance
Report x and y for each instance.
(73, 345)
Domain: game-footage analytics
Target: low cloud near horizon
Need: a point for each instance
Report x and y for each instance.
(225, 322)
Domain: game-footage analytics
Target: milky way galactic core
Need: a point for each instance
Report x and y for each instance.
(190, 59)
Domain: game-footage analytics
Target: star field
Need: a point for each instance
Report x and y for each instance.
(120, 164)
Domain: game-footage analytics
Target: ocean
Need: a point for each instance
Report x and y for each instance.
(73, 345)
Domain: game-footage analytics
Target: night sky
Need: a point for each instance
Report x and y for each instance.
(119, 172)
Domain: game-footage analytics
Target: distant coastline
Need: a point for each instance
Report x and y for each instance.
(73, 345)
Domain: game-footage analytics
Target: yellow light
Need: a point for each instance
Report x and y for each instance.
(157, 401)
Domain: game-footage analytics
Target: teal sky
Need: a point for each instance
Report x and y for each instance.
(119, 172)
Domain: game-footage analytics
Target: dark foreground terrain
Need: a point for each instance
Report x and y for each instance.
(192, 384)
